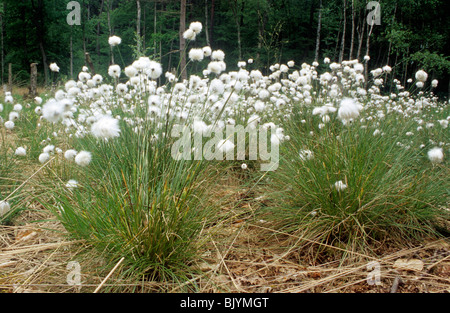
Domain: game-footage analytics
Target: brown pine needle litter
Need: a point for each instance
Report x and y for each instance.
(238, 261)
(243, 254)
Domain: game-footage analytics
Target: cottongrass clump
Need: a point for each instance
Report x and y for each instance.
(130, 198)
(351, 189)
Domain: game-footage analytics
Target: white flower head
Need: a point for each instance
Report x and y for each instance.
(196, 27)
(71, 184)
(114, 41)
(436, 155)
(225, 145)
(434, 83)
(70, 154)
(5, 207)
(154, 70)
(83, 158)
(21, 151)
(54, 67)
(114, 71)
(9, 125)
(44, 157)
(189, 34)
(217, 55)
(421, 76)
(348, 110)
(306, 155)
(196, 54)
(340, 186)
(130, 71)
(106, 127)
(52, 111)
(207, 51)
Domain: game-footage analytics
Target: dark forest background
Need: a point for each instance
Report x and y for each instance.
(413, 34)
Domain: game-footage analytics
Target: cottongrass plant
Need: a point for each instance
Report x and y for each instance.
(358, 178)
(133, 200)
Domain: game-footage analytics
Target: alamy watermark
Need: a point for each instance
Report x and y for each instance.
(74, 276)
(74, 16)
(374, 276)
(222, 145)
(374, 16)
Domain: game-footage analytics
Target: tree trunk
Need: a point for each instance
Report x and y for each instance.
(448, 96)
(33, 81)
(38, 21)
(89, 62)
(319, 26)
(390, 41)
(138, 26)
(9, 77)
(341, 53)
(2, 48)
(154, 30)
(182, 40)
(211, 32)
(98, 30)
(206, 24)
(109, 7)
(236, 12)
(361, 37)
(71, 53)
(352, 40)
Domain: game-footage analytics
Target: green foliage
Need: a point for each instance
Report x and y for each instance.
(388, 195)
(271, 32)
(431, 61)
(135, 201)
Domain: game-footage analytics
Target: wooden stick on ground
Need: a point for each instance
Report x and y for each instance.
(109, 275)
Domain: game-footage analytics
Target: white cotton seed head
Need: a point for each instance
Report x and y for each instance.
(154, 70)
(217, 55)
(114, 71)
(421, 76)
(106, 127)
(70, 154)
(44, 157)
(49, 149)
(436, 155)
(54, 67)
(13, 116)
(196, 54)
(434, 83)
(189, 34)
(52, 111)
(83, 158)
(5, 207)
(21, 151)
(9, 125)
(207, 51)
(340, 186)
(121, 88)
(71, 184)
(215, 67)
(306, 155)
(114, 41)
(348, 110)
(196, 27)
(130, 71)
(225, 145)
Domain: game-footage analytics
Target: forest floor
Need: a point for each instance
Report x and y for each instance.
(35, 256)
